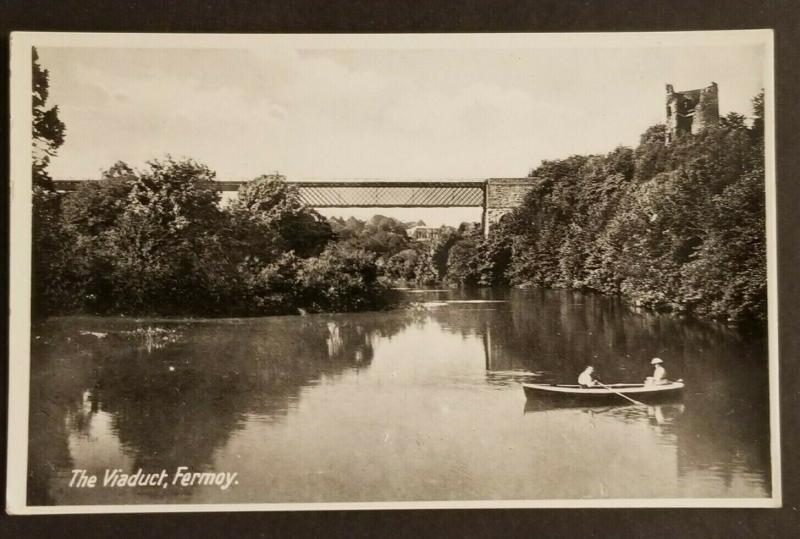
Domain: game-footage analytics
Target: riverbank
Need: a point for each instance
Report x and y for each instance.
(409, 300)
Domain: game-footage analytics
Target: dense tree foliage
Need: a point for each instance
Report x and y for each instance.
(381, 235)
(48, 244)
(340, 279)
(270, 213)
(159, 241)
(48, 129)
(401, 260)
(678, 227)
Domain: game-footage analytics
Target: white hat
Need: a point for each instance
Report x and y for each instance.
(656, 361)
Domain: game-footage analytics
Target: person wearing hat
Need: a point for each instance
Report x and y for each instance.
(659, 373)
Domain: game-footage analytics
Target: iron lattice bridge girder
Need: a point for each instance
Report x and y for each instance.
(392, 194)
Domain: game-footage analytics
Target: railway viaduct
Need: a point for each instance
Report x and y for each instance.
(495, 196)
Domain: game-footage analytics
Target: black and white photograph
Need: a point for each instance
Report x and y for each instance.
(360, 271)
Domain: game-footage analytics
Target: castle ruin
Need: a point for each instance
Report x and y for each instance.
(691, 111)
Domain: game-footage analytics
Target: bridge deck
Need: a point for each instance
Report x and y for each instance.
(369, 194)
(391, 194)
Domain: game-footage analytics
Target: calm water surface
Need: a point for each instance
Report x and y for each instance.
(418, 404)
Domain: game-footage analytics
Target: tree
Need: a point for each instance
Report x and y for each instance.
(383, 236)
(277, 220)
(424, 272)
(340, 280)
(462, 262)
(95, 206)
(727, 279)
(402, 266)
(167, 244)
(48, 130)
(678, 227)
(49, 263)
(758, 115)
(441, 250)
(175, 194)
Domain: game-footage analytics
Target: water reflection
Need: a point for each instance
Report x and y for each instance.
(177, 405)
(663, 416)
(550, 336)
(416, 404)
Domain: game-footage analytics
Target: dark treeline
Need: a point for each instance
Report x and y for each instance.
(677, 227)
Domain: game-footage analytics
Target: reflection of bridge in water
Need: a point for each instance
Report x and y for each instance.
(495, 196)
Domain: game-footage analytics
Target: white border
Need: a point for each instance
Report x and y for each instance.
(20, 238)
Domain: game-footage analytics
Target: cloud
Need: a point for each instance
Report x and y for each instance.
(478, 108)
(371, 112)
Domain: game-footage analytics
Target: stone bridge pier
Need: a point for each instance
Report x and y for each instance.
(501, 195)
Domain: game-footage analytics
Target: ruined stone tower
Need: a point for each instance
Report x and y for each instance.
(691, 111)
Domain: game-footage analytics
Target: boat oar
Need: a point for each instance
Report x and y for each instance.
(634, 401)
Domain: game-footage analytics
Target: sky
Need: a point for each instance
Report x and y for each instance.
(428, 113)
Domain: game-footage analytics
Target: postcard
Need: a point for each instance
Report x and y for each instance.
(314, 272)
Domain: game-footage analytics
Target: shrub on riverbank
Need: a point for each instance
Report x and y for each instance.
(340, 280)
(677, 227)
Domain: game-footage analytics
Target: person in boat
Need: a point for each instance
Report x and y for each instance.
(659, 373)
(585, 378)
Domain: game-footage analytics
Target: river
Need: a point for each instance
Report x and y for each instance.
(417, 404)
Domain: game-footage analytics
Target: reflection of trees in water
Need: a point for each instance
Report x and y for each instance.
(56, 390)
(728, 428)
(177, 405)
(557, 333)
(468, 319)
(726, 424)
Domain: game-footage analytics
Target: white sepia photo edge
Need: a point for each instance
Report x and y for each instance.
(20, 184)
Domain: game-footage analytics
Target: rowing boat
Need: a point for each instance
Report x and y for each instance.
(604, 393)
